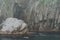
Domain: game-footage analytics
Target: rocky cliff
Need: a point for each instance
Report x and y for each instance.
(38, 14)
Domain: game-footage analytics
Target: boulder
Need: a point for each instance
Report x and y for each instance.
(13, 24)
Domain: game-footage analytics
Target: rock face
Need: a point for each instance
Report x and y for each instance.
(32, 12)
(13, 24)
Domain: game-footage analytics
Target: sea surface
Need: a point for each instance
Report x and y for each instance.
(40, 36)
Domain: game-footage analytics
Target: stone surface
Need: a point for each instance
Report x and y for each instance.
(31, 11)
(13, 24)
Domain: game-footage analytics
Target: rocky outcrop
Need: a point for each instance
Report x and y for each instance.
(33, 12)
(14, 25)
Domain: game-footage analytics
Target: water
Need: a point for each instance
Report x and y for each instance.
(35, 37)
